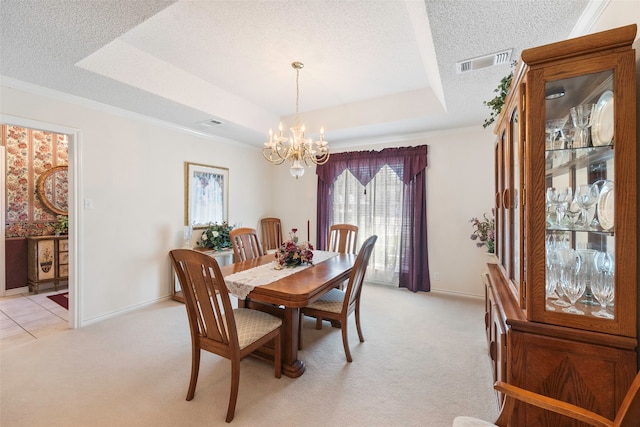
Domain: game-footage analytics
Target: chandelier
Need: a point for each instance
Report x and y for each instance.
(299, 150)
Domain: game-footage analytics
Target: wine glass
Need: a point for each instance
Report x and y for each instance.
(587, 273)
(552, 206)
(603, 284)
(581, 117)
(554, 128)
(572, 213)
(570, 282)
(565, 195)
(586, 197)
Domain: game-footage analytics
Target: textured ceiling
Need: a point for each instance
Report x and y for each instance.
(372, 68)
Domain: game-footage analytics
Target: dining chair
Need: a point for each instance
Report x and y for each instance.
(343, 238)
(246, 244)
(217, 327)
(628, 414)
(337, 304)
(271, 233)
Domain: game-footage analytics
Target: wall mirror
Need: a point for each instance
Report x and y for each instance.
(53, 190)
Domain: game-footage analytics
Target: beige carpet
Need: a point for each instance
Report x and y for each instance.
(423, 363)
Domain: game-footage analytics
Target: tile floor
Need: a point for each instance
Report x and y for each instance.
(26, 317)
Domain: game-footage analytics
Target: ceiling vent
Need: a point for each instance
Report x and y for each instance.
(486, 61)
(210, 123)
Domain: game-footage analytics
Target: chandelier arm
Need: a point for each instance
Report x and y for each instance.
(269, 158)
(321, 160)
(300, 149)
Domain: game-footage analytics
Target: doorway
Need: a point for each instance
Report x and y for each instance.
(73, 217)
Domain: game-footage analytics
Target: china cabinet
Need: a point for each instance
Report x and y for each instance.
(561, 301)
(48, 261)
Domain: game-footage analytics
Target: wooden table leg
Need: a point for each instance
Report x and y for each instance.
(291, 366)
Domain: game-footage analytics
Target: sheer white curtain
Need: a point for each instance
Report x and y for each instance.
(376, 209)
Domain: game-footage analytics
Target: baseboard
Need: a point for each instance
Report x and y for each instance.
(16, 291)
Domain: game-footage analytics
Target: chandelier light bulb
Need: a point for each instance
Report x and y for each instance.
(300, 150)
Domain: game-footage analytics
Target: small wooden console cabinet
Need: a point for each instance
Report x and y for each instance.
(48, 261)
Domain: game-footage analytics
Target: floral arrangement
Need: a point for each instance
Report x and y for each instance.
(216, 236)
(484, 231)
(292, 254)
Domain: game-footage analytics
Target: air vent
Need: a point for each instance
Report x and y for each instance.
(210, 123)
(486, 61)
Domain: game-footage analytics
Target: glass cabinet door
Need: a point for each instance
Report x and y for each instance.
(582, 161)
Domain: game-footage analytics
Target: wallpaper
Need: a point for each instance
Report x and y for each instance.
(29, 153)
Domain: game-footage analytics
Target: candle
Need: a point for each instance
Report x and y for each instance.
(308, 238)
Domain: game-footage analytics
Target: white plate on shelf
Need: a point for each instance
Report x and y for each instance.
(606, 206)
(602, 120)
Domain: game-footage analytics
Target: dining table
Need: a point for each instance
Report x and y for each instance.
(285, 292)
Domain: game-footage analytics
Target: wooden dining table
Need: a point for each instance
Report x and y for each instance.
(285, 297)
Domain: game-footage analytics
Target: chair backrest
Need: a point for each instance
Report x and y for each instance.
(206, 299)
(354, 287)
(245, 243)
(343, 238)
(271, 233)
(629, 412)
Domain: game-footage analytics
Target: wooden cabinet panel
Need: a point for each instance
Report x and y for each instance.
(586, 374)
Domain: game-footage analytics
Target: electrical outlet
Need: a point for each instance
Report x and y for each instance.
(436, 276)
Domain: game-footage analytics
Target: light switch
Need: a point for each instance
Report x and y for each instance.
(88, 203)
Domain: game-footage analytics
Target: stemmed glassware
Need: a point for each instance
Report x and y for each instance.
(570, 282)
(587, 273)
(552, 206)
(603, 284)
(565, 196)
(581, 117)
(554, 129)
(572, 213)
(586, 197)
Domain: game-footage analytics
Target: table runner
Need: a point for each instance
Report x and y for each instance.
(243, 282)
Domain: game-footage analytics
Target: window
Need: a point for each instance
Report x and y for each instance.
(376, 209)
(371, 195)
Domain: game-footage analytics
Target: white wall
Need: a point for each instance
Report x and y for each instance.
(133, 171)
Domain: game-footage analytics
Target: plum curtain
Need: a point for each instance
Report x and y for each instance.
(410, 164)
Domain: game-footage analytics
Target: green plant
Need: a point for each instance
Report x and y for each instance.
(497, 102)
(61, 226)
(216, 236)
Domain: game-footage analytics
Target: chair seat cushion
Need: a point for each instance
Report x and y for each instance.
(331, 301)
(253, 325)
(470, 422)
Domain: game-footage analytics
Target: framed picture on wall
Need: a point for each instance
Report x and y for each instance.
(206, 194)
